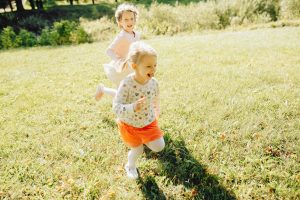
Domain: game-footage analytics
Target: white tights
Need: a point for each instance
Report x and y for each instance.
(110, 91)
(134, 153)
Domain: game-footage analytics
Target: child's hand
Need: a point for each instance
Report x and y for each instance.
(139, 104)
(124, 65)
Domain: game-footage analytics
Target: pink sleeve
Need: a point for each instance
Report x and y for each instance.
(110, 50)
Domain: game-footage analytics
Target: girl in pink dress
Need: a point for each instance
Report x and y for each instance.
(117, 69)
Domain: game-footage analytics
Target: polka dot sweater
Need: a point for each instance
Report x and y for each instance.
(128, 93)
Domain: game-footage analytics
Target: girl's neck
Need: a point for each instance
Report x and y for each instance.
(140, 80)
(132, 32)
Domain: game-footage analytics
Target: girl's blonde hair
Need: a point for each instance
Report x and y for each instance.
(138, 50)
(125, 7)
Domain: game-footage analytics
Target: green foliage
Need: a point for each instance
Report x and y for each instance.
(8, 38)
(160, 20)
(48, 37)
(101, 29)
(164, 19)
(64, 32)
(79, 36)
(156, 18)
(26, 38)
(64, 29)
(290, 9)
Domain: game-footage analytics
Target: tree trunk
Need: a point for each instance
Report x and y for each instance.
(93, 2)
(19, 5)
(32, 4)
(39, 4)
(71, 2)
(10, 5)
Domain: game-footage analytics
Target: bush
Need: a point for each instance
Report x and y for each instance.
(199, 16)
(48, 37)
(8, 38)
(99, 30)
(163, 19)
(64, 32)
(79, 36)
(64, 29)
(289, 9)
(26, 38)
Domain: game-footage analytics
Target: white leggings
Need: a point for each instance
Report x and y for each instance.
(134, 153)
(110, 91)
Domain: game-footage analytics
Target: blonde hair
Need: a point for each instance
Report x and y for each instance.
(125, 7)
(138, 50)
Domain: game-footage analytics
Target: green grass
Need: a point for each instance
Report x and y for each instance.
(230, 112)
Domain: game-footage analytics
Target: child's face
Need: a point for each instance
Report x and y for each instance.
(127, 21)
(145, 69)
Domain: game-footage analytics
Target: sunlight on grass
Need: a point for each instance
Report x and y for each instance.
(230, 110)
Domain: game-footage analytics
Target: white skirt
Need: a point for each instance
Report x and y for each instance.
(114, 73)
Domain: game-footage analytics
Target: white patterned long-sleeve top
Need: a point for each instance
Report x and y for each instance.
(128, 93)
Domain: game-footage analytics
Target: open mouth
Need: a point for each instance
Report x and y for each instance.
(150, 75)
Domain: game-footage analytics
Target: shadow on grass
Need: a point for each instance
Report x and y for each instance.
(150, 189)
(180, 167)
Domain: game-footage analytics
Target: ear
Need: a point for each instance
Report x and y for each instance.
(133, 65)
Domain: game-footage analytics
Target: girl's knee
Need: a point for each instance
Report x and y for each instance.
(158, 146)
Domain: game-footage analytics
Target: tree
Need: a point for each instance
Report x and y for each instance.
(19, 5)
(39, 4)
(32, 4)
(10, 5)
(3, 4)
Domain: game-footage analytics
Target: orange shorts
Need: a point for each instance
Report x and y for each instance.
(134, 137)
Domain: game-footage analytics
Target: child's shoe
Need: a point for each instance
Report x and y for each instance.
(99, 92)
(131, 172)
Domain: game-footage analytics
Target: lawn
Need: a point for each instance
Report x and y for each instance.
(230, 113)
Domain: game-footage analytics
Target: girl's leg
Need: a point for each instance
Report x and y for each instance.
(133, 155)
(110, 91)
(156, 145)
(101, 90)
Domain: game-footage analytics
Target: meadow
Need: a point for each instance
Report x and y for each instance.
(230, 113)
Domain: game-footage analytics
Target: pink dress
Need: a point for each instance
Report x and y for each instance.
(118, 51)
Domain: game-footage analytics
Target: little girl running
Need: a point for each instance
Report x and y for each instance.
(117, 69)
(136, 106)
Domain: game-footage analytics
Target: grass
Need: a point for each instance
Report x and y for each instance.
(230, 113)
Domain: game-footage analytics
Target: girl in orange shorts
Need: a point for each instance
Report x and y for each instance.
(137, 106)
